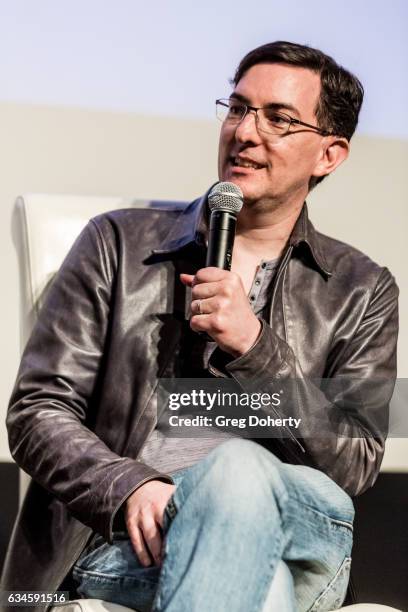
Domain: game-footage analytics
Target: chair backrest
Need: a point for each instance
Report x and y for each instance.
(46, 227)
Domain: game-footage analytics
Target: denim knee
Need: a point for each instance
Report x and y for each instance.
(239, 478)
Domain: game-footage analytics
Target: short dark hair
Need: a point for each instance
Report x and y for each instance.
(341, 93)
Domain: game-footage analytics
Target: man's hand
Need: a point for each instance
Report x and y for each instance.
(221, 308)
(144, 519)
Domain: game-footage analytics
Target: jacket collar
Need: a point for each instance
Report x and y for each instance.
(191, 225)
(304, 233)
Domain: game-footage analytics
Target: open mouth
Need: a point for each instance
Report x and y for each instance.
(245, 163)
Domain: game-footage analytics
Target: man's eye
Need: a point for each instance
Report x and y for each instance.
(235, 109)
(276, 118)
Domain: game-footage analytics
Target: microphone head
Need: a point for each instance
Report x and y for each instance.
(226, 196)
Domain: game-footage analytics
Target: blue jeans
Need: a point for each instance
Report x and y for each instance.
(242, 532)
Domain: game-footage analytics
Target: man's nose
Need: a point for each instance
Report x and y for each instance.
(247, 129)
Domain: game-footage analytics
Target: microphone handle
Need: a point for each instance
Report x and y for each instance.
(221, 239)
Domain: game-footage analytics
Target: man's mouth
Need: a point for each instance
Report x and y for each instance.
(245, 163)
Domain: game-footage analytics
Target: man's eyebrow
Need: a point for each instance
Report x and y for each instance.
(273, 105)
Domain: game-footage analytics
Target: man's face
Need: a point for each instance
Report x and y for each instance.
(283, 163)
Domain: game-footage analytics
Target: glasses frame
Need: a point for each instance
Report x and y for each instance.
(290, 120)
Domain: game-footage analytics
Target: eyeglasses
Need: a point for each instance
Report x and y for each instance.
(267, 119)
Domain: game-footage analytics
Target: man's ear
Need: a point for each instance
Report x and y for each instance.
(334, 151)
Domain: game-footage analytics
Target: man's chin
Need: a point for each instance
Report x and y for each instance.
(245, 184)
(251, 194)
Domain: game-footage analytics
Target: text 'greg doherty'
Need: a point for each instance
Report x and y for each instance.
(207, 401)
(242, 423)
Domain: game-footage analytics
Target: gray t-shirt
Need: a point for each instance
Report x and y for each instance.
(168, 454)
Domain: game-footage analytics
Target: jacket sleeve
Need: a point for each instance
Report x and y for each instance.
(53, 401)
(344, 418)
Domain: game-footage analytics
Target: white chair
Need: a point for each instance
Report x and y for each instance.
(45, 226)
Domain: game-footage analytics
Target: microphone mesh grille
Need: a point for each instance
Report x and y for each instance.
(226, 196)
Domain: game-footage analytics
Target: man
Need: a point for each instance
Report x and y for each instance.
(209, 525)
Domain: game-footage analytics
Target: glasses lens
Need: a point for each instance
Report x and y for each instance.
(272, 122)
(230, 110)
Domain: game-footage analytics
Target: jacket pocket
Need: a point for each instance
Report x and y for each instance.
(334, 594)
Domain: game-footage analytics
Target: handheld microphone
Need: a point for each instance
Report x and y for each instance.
(225, 201)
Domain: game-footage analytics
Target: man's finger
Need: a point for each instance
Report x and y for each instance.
(139, 545)
(187, 279)
(205, 275)
(152, 536)
(210, 274)
(200, 323)
(205, 290)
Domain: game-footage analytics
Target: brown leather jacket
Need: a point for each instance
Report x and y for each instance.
(84, 400)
